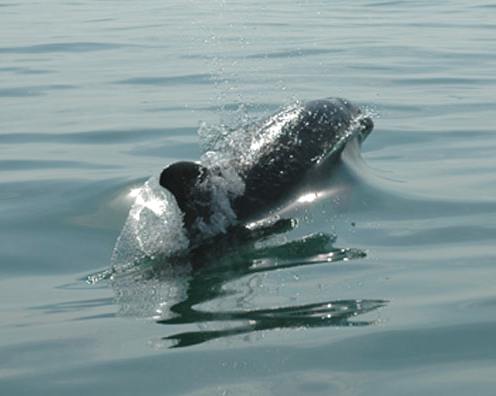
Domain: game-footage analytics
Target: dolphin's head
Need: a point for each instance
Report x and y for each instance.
(337, 115)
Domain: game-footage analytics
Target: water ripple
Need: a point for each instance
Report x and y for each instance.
(450, 81)
(60, 47)
(23, 70)
(174, 80)
(293, 53)
(12, 165)
(36, 90)
(94, 137)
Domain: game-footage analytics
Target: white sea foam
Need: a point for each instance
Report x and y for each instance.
(225, 184)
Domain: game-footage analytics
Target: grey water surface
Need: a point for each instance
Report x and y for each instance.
(97, 96)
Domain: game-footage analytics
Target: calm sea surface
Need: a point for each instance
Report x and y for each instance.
(96, 96)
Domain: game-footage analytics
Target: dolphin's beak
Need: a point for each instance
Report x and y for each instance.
(366, 126)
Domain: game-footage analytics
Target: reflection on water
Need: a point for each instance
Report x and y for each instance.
(171, 291)
(321, 314)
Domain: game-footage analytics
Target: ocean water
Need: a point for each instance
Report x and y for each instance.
(96, 97)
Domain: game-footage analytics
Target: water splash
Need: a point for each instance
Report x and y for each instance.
(153, 228)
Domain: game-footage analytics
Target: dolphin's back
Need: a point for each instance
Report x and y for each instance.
(287, 145)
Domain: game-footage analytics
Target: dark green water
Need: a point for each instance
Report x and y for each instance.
(95, 97)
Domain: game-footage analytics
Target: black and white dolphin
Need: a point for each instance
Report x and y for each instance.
(270, 157)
